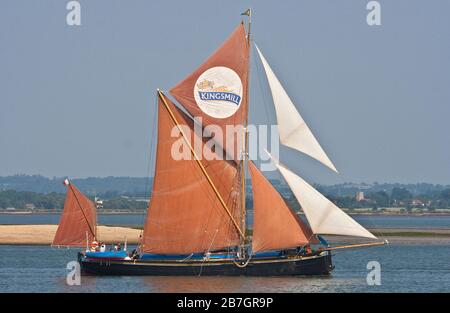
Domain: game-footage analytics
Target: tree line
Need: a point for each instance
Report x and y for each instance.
(397, 197)
(25, 200)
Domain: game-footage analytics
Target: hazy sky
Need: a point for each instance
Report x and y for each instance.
(79, 101)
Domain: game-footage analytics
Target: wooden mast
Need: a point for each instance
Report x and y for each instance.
(194, 154)
(248, 12)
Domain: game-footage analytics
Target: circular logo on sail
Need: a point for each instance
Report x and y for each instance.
(218, 92)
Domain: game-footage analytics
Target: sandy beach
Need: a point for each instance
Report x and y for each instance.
(43, 235)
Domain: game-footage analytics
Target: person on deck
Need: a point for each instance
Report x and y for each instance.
(308, 249)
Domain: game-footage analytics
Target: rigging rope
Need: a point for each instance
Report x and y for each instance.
(149, 186)
(263, 94)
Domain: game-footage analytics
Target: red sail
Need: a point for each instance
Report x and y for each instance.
(275, 226)
(185, 214)
(217, 90)
(78, 219)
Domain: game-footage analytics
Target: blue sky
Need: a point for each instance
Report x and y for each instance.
(79, 101)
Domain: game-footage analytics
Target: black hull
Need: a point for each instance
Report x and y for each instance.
(312, 265)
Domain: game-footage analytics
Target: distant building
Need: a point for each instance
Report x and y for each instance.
(359, 196)
(417, 203)
(98, 203)
(137, 199)
(30, 206)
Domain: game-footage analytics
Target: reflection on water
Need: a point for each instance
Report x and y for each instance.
(192, 284)
(236, 284)
(404, 268)
(216, 284)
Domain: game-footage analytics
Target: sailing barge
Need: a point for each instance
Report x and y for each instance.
(196, 220)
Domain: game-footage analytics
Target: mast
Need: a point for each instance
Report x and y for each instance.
(248, 12)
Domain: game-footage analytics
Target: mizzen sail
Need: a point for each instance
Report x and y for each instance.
(78, 220)
(323, 216)
(275, 225)
(293, 130)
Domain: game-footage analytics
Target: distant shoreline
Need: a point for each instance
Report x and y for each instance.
(58, 213)
(43, 235)
(144, 213)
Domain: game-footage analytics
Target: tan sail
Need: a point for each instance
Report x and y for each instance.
(185, 214)
(275, 226)
(217, 90)
(78, 221)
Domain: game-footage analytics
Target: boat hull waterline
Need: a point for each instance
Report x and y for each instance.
(293, 266)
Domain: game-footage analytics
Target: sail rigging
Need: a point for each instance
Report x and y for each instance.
(78, 220)
(323, 216)
(185, 214)
(275, 225)
(293, 130)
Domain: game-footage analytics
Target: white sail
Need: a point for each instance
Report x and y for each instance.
(324, 216)
(293, 130)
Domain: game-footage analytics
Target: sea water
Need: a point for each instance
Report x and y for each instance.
(405, 267)
(408, 266)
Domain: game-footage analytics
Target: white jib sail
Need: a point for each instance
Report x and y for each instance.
(323, 216)
(293, 130)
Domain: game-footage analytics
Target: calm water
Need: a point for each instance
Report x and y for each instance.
(404, 268)
(377, 221)
(103, 219)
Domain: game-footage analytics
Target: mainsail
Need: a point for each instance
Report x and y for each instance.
(78, 221)
(293, 130)
(323, 216)
(185, 214)
(275, 225)
(217, 90)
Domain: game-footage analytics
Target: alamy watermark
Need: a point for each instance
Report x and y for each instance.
(373, 278)
(215, 142)
(73, 17)
(374, 16)
(73, 277)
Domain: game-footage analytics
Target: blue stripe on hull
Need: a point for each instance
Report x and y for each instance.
(107, 255)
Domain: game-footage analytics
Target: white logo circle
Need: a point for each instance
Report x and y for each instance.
(218, 92)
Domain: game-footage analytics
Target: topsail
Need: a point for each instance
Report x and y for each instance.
(217, 90)
(293, 130)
